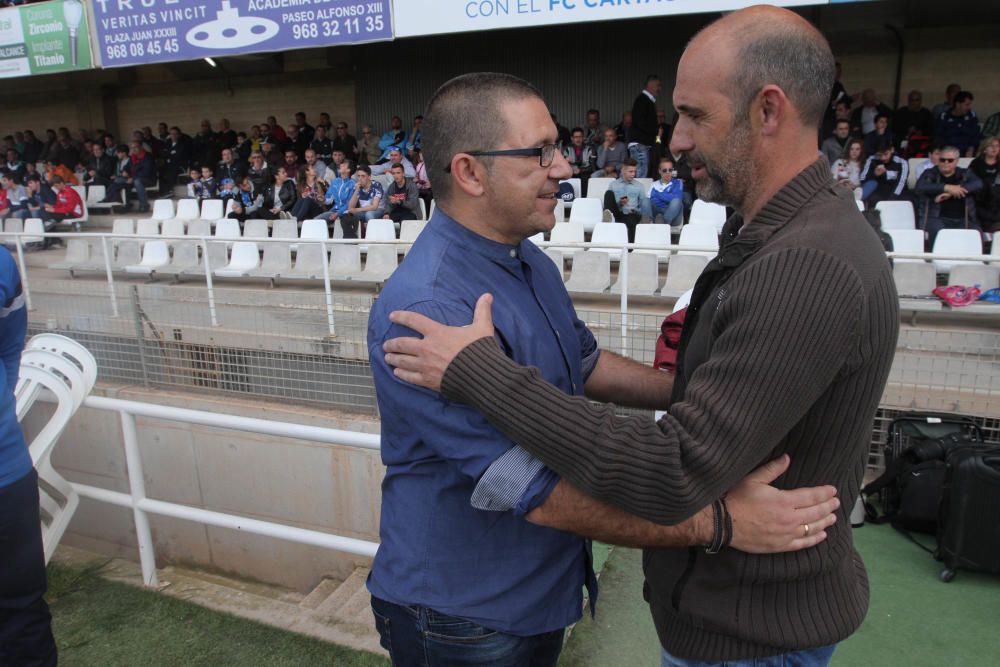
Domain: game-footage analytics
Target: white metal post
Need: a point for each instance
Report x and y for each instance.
(623, 281)
(111, 281)
(327, 289)
(24, 273)
(137, 487)
(209, 284)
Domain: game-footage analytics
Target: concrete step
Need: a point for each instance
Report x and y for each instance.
(323, 590)
(350, 602)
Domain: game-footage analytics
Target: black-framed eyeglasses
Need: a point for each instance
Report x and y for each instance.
(545, 154)
(947, 159)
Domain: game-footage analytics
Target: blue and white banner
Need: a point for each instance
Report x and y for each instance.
(139, 32)
(423, 17)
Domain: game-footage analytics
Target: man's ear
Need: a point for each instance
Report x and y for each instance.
(468, 175)
(773, 107)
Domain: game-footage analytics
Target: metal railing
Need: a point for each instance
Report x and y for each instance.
(142, 506)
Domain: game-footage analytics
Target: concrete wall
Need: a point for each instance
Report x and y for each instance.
(310, 485)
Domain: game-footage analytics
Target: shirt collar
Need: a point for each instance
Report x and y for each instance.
(461, 235)
(649, 95)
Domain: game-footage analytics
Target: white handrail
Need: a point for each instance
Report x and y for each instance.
(142, 506)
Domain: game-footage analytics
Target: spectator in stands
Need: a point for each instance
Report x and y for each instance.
(422, 180)
(296, 142)
(321, 145)
(194, 189)
(985, 166)
(661, 144)
(395, 157)
(932, 161)
(644, 124)
(367, 203)
(944, 196)
(204, 146)
(949, 99)
(611, 154)
(884, 176)
(880, 134)
(846, 169)
(267, 136)
(347, 144)
(142, 173)
(259, 172)
(562, 132)
(666, 196)
(272, 128)
(402, 200)
(991, 127)
(32, 147)
(913, 120)
(177, 156)
(307, 131)
(683, 168)
(152, 143)
(242, 149)
(592, 129)
(16, 195)
(226, 135)
(162, 132)
(312, 160)
(14, 164)
(324, 122)
(416, 135)
(279, 197)
(336, 159)
(68, 205)
(254, 139)
(4, 203)
(247, 202)
(340, 192)
(626, 198)
(209, 185)
(959, 127)
(291, 164)
(368, 148)
(311, 191)
(121, 173)
(841, 111)
(65, 153)
(624, 129)
(863, 118)
(581, 157)
(834, 145)
(229, 167)
(100, 167)
(227, 190)
(36, 200)
(395, 137)
(51, 140)
(68, 175)
(273, 155)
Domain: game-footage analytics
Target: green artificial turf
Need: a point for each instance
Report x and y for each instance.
(100, 623)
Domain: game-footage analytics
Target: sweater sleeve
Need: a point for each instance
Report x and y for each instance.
(786, 329)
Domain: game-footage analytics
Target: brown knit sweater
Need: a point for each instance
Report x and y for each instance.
(786, 348)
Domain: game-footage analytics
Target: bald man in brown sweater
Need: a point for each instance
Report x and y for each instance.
(786, 348)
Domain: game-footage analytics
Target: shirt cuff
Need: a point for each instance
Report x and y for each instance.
(589, 363)
(515, 482)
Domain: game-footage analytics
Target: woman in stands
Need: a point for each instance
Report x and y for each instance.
(421, 180)
(847, 170)
(312, 190)
(987, 167)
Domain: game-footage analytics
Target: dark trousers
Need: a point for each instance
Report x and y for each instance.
(933, 225)
(349, 223)
(422, 637)
(25, 623)
(400, 213)
(630, 219)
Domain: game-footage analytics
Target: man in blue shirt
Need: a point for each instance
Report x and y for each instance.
(25, 624)
(478, 562)
(339, 192)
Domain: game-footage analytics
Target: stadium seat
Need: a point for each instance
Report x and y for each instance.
(276, 263)
(985, 276)
(173, 227)
(683, 301)
(653, 235)
(314, 229)
(187, 209)
(285, 229)
(431, 212)
(707, 213)
(185, 258)
(227, 229)
(896, 215)
(245, 258)
(596, 187)
(33, 226)
(643, 275)
(646, 183)
(588, 212)
(123, 226)
(230, 204)
(591, 272)
(914, 285)
(557, 258)
(907, 240)
(964, 162)
(379, 230)
(80, 190)
(199, 228)
(77, 254)
(147, 227)
(860, 204)
(95, 193)
(212, 209)
(566, 232)
(345, 261)
(560, 211)
(575, 184)
(995, 248)
(155, 255)
(218, 256)
(13, 226)
(257, 229)
(682, 272)
(956, 242)
(698, 236)
(537, 238)
(913, 163)
(129, 253)
(423, 209)
(409, 230)
(163, 209)
(309, 259)
(615, 233)
(380, 262)
(95, 262)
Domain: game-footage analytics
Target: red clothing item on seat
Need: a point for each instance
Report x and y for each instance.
(665, 358)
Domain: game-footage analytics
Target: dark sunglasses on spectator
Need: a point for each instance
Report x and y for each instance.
(947, 159)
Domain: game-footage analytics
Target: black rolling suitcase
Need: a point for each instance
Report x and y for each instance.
(969, 522)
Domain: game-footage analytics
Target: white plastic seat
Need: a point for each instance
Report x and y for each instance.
(566, 232)
(643, 275)
(615, 233)
(698, 236)
(129, 253)
(896, 215)
(683, 300)
(653, 235)
(163, 209)
(155, 254)
(95, 193)
(230, 207)
(911, 179)
(80, 190)
(185, 259)
(345, 261)
(187, 209)
(77, 253)
(173, 228)
(227, 229)
(212, 209)
(860, 204)
(245, 258)
(707, 213)
(956, 242)
(985, 276)
(380, 230)
(122, 226)
(33, 226)
(591, 272)
(257, 229)
(409, 230)
(314, 229)
(277, 262)
(380, 262)
(908, 241)
(423, 209)
(560, 211)
(96, 260)
(557, 258)
(69, 348)
(915, 280)
(682, 272)
(537, 238)
(597, 186)
(147, 228)
(200, 228)
(309, 259)
(645, 182)
(284, 229)
(588, 212)
(12, 226)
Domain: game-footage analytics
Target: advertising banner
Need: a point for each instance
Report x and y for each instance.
(138, 32)
(420, 17)
(44, 38)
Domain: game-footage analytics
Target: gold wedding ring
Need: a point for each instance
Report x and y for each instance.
(806, 526)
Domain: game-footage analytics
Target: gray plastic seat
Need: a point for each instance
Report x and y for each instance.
(284, 229)
(77, 253)
(256, 229)
(129, 254)
(184, 260)
(682, 272)
(218, 257)
(309, 261)
(277, 262)
(381, 261)
(643, 275)
(591, 272)
(345, 261)
(985, 276)
(199, 228)
(915, 283)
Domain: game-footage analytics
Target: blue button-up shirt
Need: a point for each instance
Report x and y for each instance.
(476, 558)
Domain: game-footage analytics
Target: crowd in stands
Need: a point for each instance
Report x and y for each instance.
(304, 171)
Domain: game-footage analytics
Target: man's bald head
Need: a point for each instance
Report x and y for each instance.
(769, 45)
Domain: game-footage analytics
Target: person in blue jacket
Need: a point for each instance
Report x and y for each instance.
(666, 196)
(25, 622)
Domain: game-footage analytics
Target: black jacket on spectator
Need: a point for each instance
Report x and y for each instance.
(348, 144)
(261, 179)
(644, 124)
(233, 170)
(104, 167)
(227, 139)
(287, 195)
(178, 155)
(856, 129)
(323, 148)
(67, 155)
(205, 149)
(32, 151)
(907, 122)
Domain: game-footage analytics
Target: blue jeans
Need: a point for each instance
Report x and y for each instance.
(422, 637)
(640, 154)
(814, 657)
(672, 213)
(867, 188)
